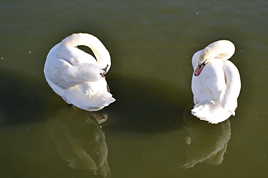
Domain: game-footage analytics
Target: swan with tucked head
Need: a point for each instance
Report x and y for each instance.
(215, 83)
(76, 75)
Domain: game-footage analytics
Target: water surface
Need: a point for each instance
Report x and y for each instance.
(149, 131)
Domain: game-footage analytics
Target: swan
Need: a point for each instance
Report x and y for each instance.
(215, 82)
(77, 76)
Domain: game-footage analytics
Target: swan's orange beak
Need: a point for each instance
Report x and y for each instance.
(199, 69)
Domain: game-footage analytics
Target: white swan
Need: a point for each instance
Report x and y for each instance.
(215, 83)
(76, 75)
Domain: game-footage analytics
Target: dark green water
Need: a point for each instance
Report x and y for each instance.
(149, 132)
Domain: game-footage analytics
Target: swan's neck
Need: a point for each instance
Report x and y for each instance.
(99, 50)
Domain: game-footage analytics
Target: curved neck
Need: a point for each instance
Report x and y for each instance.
(222, 49)
(99, 50)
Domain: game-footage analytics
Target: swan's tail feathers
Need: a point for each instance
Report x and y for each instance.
(98, 102)
(88, 98)
(211, 112)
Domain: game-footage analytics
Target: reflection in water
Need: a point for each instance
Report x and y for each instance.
(80, 141)
(206, 142)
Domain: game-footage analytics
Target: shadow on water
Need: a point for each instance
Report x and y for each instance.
(193, 144)
(80, 142)
(70, 143)
(74, 144)
(142, 105)
(146, 105)
(22, 99)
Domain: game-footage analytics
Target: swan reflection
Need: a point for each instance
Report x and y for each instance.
(206, 143)
(80, 141)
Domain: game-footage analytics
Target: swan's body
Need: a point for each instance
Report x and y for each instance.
(76, 75)
(215, 83)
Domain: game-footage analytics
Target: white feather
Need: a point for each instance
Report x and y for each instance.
(217, 88)
(76, 75)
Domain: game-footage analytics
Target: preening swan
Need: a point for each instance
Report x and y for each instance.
(76, 75)
(215, 83)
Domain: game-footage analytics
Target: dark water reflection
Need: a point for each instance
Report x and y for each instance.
(80, 141)
(70, 143)
(144, 104)
(206, 143)
(62, 140)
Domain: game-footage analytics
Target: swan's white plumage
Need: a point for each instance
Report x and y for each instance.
(76, 75)
(217, 87)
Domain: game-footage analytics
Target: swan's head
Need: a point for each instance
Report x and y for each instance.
(219, 50)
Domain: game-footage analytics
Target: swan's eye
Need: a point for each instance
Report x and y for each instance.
(87, 50)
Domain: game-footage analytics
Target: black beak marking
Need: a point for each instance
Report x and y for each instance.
(106, 69)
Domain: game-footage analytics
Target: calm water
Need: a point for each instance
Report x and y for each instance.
(149, 132)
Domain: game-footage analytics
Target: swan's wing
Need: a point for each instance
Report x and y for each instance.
(65, 75)
(74, 55)
(216, 84)
(69, 66)
(210, 85)
(213, 82)
(233, 86)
